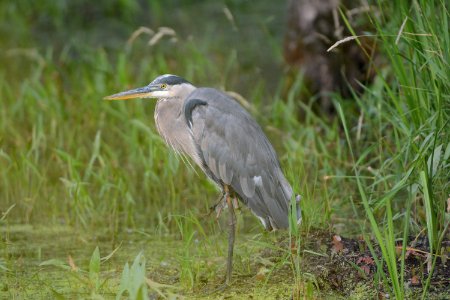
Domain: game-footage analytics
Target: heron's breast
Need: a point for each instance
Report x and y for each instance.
(172, 127)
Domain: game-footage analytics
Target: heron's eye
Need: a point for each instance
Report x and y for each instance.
(163, 86)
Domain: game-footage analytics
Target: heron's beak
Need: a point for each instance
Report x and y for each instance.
(148, 91)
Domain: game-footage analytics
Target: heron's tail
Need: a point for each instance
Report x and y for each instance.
(296, 210)
(272, 202)
(292, 209)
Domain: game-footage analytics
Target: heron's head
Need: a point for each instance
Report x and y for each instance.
(163, 87)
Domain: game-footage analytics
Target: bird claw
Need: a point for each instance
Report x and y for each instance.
(236, 203)
(219, 206)
(222, 287)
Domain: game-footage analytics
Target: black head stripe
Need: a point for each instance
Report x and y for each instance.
(189, 108)
(170, 80)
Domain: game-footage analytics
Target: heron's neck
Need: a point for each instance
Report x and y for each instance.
(168, 118)
(172, 126)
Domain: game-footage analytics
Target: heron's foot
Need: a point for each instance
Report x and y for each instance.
(222, 287)
(236, 204)
(219, 208)
(219, 205)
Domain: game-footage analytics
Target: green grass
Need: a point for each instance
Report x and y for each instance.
(410, 114)
(69, 159)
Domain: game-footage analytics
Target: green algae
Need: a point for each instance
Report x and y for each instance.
(57, 262)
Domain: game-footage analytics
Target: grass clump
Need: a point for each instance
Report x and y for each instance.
(401, 172)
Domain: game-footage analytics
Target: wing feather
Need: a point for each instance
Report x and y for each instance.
(236, 152)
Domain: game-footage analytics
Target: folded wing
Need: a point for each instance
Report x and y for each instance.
(236, 152)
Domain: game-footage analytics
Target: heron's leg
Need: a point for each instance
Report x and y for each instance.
(236, 203)
(231, 235)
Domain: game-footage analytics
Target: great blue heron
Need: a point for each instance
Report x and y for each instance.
(223, 139)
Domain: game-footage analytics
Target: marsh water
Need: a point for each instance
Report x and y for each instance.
(54, 262)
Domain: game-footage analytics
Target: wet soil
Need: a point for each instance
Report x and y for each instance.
(344, 268)
(349, 262)
(329, 266)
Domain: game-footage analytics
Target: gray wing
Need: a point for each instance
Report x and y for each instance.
(235, 151)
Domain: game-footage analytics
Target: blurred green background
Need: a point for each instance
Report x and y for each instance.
(77, 172)
(60, 58)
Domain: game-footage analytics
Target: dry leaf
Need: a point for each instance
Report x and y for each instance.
(412, 251)
(72, 263)
(366, 269)
(337, 243)
(444, 256)
(429, 262)
(293, 247)
(365, 259)
(415, 280)
(338, 246)
(262, 272)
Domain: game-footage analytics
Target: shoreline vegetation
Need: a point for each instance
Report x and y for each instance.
(93, 204)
